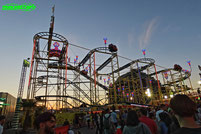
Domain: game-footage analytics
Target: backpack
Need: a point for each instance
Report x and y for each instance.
(106, 122)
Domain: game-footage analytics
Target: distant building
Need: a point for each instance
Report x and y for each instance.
(7, 104)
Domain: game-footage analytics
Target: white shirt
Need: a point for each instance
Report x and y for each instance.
(1, 129)
(157, 115)
(70, 132)
(114, 117)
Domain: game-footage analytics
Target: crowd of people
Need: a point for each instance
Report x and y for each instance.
(181, 116)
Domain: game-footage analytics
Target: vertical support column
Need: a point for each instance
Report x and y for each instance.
(63, 92)
(31, 68)
(34, 78)
(167, 90)
(66, 70)
(66, 59)
(58, 99)
(79, 87)
(129, 90)
(141, 85)
(46, 90)
(159, 87)
(113, 85)
(95, 77)
(97, 89)
(175, 88)
(118, 77)
(133, 85)
(150, 85)
(182, 83)
(91, 62)
(190, 83)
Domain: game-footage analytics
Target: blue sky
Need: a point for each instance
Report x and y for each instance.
(170, 31)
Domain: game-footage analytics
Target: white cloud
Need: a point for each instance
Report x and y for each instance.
(131, 39)
(145, 37)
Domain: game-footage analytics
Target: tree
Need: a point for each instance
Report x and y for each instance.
(28, 108)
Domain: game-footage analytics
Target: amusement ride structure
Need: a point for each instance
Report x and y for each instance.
(56, 82)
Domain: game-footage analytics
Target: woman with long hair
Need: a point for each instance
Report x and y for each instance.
(134, 126)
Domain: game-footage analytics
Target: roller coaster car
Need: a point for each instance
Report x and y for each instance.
(84, 72)
(112, 48)
(177, 67)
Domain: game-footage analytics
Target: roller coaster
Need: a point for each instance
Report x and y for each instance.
(55, 81)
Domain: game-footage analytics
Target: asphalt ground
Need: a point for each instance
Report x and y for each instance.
(83, 130)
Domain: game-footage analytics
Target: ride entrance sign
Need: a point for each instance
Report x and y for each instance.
(2, 99)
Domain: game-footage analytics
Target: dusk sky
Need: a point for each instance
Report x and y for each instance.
(170, 31)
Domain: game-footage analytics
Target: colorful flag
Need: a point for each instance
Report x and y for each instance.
(166, 75)
(105, 40)
(189, 63)
(144, 51)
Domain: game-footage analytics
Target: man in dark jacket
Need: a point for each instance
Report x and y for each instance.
(184, 109)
